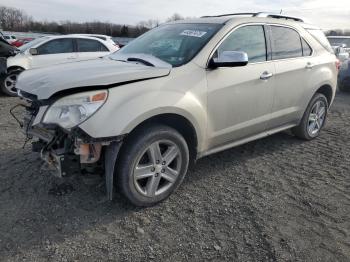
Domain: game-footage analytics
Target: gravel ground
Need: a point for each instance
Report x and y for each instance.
(277, 199)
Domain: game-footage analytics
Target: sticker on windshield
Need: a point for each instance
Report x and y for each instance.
(193, 33)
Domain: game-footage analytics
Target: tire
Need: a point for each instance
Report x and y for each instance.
(304, 130)
(10, 77)
(140, 166)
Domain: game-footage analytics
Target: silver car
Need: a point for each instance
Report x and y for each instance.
(182, 91)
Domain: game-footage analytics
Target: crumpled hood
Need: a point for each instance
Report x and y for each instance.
(45, 82)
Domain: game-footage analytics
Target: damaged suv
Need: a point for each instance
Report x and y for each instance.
(180, 92)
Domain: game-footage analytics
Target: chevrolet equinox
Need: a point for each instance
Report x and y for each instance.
(182, 91)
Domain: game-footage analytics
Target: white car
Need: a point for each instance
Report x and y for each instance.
(51, 50)
(10, 38)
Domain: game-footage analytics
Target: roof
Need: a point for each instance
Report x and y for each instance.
(249, 17)
(71, 36)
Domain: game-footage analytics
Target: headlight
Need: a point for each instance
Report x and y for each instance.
(72, 110)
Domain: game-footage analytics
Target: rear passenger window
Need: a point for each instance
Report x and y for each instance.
(88, 45)
(286, 43)
(249, 39)
(307, 51)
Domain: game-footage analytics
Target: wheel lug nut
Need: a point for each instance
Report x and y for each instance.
(153, 169)
(163, 163)
(157, 175)
(163, 170)
(157, 161)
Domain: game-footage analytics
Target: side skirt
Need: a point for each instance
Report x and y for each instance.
(245, 140)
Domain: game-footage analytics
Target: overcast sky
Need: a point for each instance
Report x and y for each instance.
(325, 13)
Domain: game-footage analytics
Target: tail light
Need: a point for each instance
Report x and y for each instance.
(338, 64)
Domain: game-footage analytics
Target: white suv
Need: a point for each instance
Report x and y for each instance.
(180, 92)
(52, 50)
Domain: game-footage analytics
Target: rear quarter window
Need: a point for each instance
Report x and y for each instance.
(307, 50)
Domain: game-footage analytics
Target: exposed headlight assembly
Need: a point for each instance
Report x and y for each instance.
(73, 110)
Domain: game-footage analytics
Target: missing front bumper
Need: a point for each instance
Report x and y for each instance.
(63, 165)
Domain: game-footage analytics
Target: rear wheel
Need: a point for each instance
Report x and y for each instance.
(8, 82)
(153, 163)
(314, 118)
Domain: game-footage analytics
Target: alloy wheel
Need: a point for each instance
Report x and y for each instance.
(10, 83)
(157, 168)
(316, 118)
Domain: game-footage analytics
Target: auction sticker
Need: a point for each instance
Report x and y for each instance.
(193, 33)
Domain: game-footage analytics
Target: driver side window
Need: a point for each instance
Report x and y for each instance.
(249, 39)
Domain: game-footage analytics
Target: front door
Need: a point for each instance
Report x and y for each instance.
(54, 52)
(240, 98)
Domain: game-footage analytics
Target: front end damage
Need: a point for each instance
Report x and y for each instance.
(68, 152)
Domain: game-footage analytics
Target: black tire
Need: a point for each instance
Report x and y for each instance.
(301, 131)
(3, 88)
(135, 147)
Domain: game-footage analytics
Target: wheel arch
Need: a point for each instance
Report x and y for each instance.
(327, 91)
(178, 122)
(15, 68)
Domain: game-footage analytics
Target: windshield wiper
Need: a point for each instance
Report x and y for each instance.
(143, 61)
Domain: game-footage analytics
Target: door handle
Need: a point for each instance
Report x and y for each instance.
(309, 65)
(266, 75)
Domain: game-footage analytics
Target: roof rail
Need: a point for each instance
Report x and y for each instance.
(260, 14)
(234, 14)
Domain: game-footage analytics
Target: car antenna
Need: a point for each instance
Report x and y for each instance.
(281, 11)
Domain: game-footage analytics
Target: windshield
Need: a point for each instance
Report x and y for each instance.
(175, 44)
(339, 41)
(32, 43)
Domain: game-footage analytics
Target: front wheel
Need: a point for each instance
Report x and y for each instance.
(314, 118)
(8, 83)
(153, 163)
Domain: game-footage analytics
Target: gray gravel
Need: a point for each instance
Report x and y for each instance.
(277, 199)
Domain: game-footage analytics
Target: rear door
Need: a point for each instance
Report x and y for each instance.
(90, 49)
(292, 57)
(53, 52)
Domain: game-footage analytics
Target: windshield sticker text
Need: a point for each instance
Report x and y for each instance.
(193, 33)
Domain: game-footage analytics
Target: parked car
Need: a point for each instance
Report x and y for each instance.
(22, 41)
(51, 50)
(341, 53)
(6, 50)
(340, 41)
(180, 92)
(10, 38)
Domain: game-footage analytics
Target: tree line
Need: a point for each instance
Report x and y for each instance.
(13, 19)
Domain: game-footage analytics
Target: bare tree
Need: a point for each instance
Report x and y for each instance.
(175, 17)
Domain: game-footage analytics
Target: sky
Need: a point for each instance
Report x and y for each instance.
(324, 13)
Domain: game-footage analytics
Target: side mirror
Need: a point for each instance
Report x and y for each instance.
(343, 45)
(33, 51)
(229, 59)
